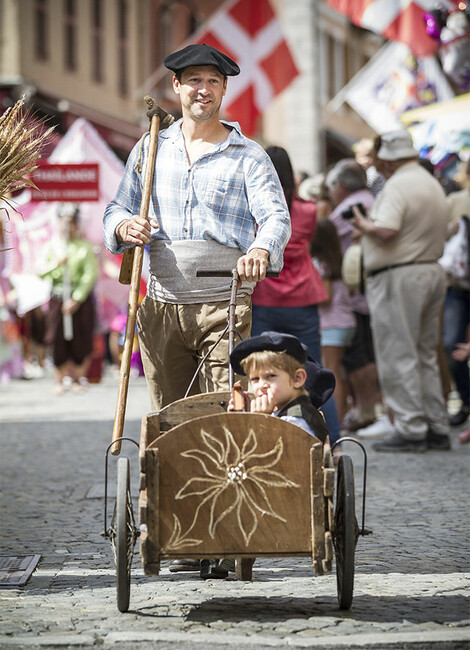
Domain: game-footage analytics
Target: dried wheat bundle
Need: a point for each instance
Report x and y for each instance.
(21, 143)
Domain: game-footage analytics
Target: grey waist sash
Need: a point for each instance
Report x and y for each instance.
(173, 266)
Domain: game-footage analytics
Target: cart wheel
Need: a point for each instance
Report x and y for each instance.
(346, 532)
(124, 528)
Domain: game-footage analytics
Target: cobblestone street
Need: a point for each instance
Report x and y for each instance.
(412, 575)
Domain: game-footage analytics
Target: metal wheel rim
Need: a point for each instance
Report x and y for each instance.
(123, 534)
(346, 532)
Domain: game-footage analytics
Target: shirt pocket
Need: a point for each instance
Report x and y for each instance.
(222, 193)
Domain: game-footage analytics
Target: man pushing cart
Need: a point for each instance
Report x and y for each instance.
(203, 196)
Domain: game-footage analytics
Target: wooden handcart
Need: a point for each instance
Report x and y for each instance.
(215, 484)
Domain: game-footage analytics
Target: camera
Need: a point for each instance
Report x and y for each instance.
(349, 214)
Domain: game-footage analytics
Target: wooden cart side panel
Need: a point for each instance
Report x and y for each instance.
(329, 475)
(143, 527)
(317, 508)
(148, 516)
(196, 406)
(329, 491)
(329, 482)
(236, 484)
(149, 429)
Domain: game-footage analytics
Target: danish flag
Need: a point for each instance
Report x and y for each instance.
(397, 20)
(249, 32)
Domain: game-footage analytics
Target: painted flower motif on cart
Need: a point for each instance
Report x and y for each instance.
(240, 477)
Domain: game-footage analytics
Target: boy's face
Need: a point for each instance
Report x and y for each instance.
(276, 385)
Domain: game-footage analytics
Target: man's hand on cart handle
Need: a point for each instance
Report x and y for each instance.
(135, 230)
(252, 267)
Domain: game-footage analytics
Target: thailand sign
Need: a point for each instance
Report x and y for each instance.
(66, 182)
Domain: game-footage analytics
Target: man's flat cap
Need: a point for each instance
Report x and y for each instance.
(320, 382)
(201, 54)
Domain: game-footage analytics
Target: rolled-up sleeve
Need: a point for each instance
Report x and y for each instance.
(126, 202)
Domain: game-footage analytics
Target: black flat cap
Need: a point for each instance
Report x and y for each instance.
(201, 54)
(320, 382)
(275, 341)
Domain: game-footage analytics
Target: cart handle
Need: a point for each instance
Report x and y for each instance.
(231, 328)
(364, 530)
(223, 273)
(105, 532)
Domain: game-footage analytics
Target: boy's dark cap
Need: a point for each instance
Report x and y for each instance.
(275, 341)
(320, 382)
(201, 54)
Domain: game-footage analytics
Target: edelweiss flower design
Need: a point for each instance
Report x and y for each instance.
(241, 474)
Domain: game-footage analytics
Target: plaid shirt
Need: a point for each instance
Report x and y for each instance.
(231, 194)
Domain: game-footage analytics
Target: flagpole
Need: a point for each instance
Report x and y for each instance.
(319, 149)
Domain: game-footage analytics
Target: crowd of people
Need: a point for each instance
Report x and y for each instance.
(59, 333)
(409, 295)
(395, 337)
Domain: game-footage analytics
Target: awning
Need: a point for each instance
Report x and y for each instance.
(460, 104)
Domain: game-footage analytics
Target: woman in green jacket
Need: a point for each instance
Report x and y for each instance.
(72, 268)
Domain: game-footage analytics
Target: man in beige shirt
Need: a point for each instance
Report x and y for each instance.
(402, 240)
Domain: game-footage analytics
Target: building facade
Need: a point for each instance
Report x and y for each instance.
(98, 58)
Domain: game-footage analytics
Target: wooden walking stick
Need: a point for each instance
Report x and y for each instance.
(131, 271)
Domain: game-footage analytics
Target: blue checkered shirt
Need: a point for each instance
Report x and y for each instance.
(231, 195)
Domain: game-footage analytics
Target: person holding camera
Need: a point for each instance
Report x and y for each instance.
(402, 240)
(347, 186)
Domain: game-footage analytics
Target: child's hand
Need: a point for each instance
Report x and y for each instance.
(263, 403)
(231, 406)
(239, 400)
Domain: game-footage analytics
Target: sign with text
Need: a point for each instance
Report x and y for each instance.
(66, 182)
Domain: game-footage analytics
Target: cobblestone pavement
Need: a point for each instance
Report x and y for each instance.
(412, 574)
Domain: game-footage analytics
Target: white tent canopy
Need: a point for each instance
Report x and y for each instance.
(36, 223)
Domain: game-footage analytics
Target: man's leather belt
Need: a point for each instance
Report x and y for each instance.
(370, 274)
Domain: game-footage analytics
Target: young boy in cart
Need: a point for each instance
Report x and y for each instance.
(285, 382)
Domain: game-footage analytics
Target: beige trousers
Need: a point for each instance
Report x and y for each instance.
(173, 340)
(405, 306)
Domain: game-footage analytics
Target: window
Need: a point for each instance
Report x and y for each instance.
(70, 35)
(97, 38)
(176, 21)
(41, 31)
(123, 81)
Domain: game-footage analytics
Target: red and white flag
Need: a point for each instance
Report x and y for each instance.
(397, 20)
(249, 32)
